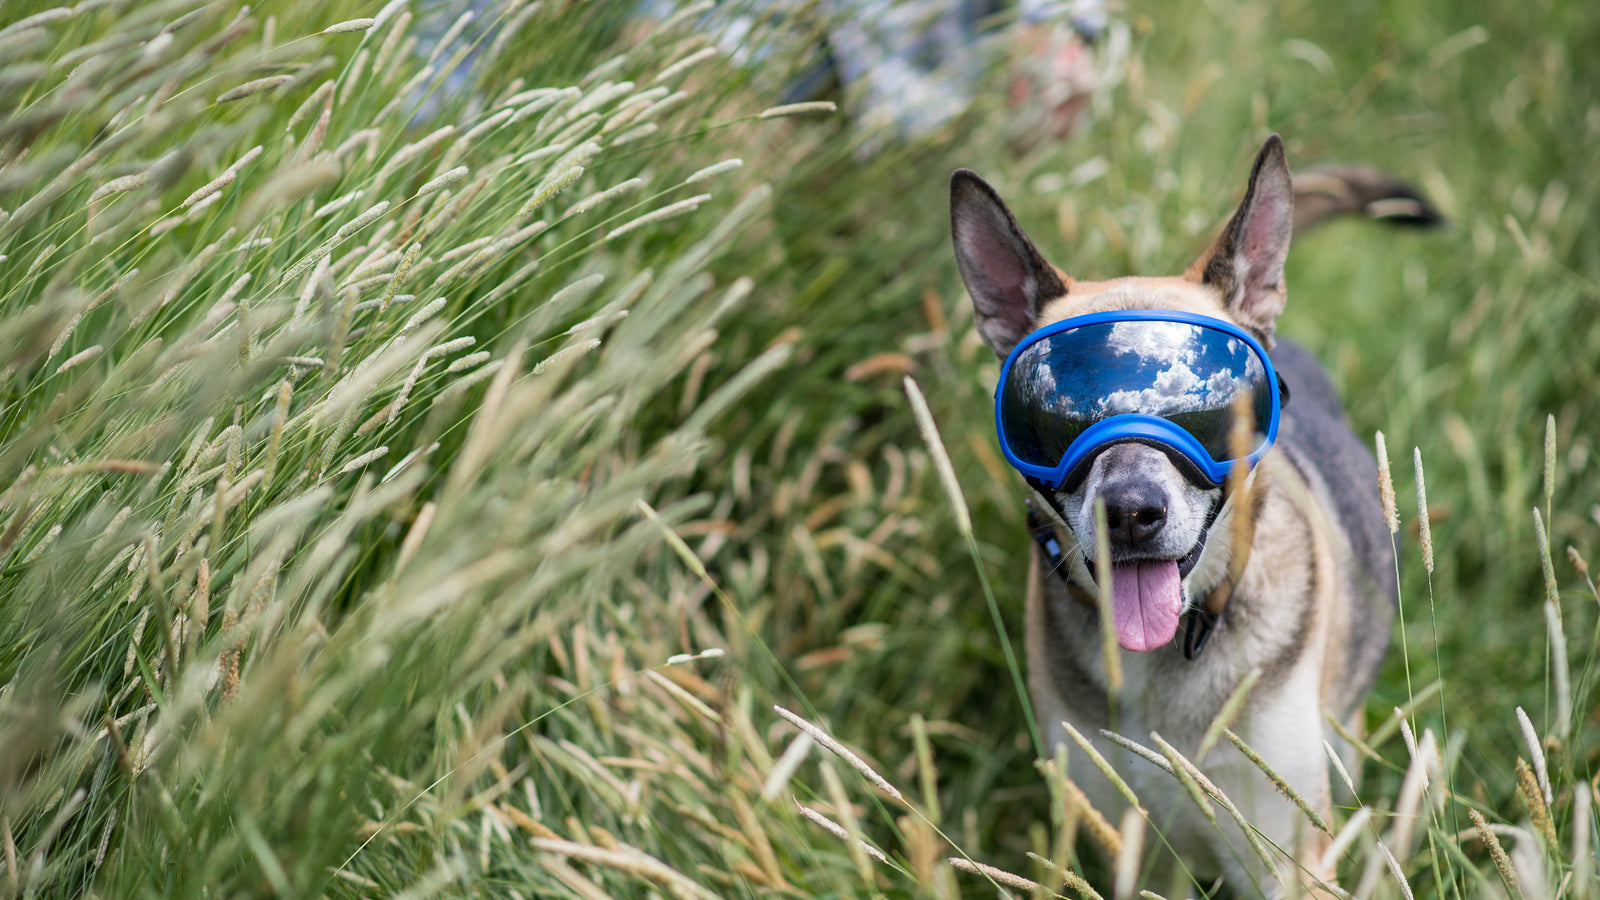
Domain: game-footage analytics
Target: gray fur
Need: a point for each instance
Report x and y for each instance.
(1316, 437)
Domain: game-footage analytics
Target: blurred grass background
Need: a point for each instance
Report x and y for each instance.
(247, 653)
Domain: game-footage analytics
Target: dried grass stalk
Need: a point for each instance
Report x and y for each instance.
(838, 831)
(841, 751)
(941, 459)
(1071, 879)
(628, 860)
(1110, 649)
(1353, 827)
(1103, 765)
(999, 876)
(842, 808)
(787, 764)
(1227, 714)
(1282, 786)
(1185, 771)
(1127, 862)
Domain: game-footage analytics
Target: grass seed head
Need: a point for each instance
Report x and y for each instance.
(658, 215)
(1532, 796)
(447, 180)
(350, 25)
(1552, 591)
(391, 41)
(372, 214)
(610, 193)
(255, 86)
(1127, 862)
(1391, 513)
(839, 750)
(712, 171)
(1339, 767)
(800, 109)
(838, 831)
(1497, 852)
(1184, 771)
(999, 876)
(1423, 528)
(1396, 871)
(685, 64)
(1530, 738)
(316, 99)
(551, 187)
(1549, 460)
(81, 356)
(565, 354)
(362, 460)
(451, 34)
(461, 364)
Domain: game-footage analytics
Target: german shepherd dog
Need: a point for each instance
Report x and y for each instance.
(1307, 599)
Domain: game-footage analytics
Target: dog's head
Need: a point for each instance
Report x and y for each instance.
(1158, 508)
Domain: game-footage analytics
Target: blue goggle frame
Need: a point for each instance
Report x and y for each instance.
(1137, 426)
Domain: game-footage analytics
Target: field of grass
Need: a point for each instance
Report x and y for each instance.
(424, 464)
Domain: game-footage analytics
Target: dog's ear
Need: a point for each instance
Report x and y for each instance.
(1008, 280)
(1246, 262)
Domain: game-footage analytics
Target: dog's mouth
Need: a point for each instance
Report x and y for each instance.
(1147, 598)
(1185, 563)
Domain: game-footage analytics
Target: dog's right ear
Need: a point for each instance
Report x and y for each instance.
(1007, 278)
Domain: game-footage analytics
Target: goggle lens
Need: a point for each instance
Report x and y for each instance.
(1185, 373)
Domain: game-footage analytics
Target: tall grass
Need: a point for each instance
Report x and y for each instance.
(395, 429)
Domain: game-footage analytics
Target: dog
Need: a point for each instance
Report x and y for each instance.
(1306, 598)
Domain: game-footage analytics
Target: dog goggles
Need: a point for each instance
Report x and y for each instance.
(1157, 376)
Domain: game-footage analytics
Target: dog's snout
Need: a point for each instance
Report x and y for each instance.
(1135, 512)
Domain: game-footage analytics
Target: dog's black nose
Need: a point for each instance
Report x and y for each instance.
(1136, 511)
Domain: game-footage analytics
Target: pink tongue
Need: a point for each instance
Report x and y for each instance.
(1146, 599)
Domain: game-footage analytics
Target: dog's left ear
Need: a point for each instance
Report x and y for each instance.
(1246, 262)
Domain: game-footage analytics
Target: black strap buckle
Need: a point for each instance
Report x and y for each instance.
(1044, 534)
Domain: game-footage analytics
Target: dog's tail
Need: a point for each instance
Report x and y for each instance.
(1324, 192)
